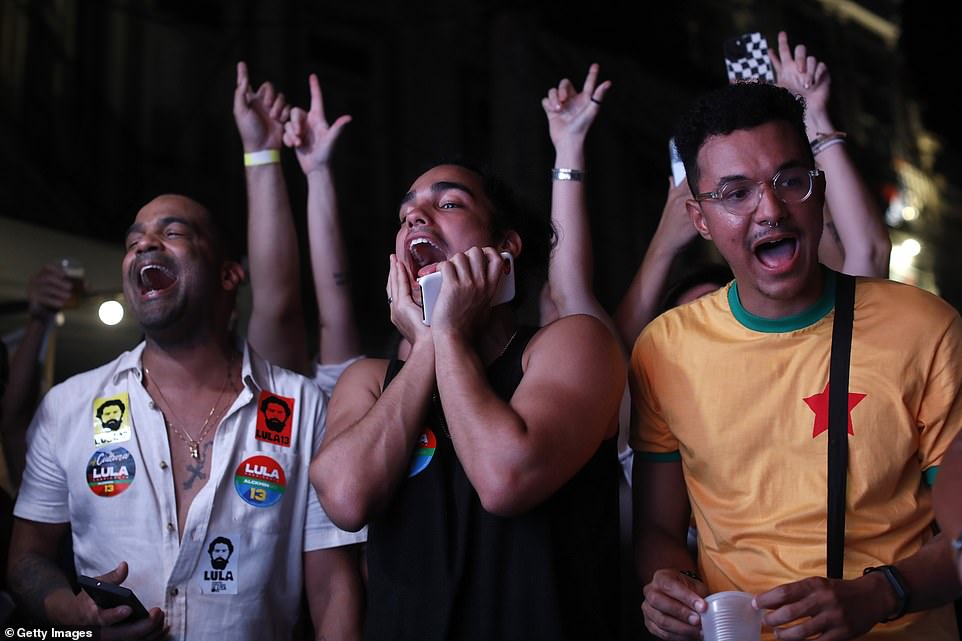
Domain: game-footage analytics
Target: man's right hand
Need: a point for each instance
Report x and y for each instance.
(673, 605)
(309, 133)
(48, 291)
(112, 620)
(406, 315)
(260, 115)
(675, 229)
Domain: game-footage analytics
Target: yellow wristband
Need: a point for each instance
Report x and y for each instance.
(262, 157)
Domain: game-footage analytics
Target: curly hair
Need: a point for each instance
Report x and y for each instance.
(742, 105)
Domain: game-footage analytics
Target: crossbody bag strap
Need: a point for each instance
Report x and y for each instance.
(838, 422)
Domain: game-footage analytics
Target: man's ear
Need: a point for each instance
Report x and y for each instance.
(697, 217)
(232, 275)
(511, 243)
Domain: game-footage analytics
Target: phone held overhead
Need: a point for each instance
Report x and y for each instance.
(746, 58)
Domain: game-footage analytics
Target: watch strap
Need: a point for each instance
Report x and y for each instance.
(691, 574)
(899, 586)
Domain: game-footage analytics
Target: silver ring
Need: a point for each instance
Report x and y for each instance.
(389, 300)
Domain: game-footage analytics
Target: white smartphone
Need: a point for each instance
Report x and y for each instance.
(677, 166)
(746, 59)
(431, 287)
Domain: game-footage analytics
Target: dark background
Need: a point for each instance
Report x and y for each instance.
(106, 103)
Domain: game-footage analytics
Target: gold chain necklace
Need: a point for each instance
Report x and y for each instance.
(193, 444)
(436, 401)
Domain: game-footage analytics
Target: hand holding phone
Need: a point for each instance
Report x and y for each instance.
(746, 59)
(431, 286)
(677, 166)
(107, 595)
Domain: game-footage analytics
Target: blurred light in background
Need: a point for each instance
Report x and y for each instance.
(111, 312)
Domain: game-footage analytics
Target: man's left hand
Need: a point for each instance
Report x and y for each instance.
(831, 609)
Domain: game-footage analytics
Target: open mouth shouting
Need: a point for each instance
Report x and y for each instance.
(776, 253)
(424, 254)
(153, 279)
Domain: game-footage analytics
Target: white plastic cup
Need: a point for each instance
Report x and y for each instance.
(731, 617)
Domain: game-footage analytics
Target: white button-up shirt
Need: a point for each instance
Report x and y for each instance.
(236, 570)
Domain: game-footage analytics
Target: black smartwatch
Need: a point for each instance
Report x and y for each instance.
(899, 586)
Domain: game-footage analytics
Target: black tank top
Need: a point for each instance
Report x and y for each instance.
(441, 567)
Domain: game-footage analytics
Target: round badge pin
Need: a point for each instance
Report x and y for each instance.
(260, 481)
(110, 471)
(423, 452)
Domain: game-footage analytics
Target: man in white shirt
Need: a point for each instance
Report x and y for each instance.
(187, 471)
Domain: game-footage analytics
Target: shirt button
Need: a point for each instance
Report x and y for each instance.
(163, 465)
(174, 591)
(170, 527)
(152, 405)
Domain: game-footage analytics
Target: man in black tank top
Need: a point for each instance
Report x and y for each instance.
(484, 463)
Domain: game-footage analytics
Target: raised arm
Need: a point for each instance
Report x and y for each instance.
(865, 242)
(313, 140)
(640, 303)
(47, 293)
(276, 330)
(565, 405)
(570, 270)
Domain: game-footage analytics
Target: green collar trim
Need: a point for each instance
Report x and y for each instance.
(810, 316)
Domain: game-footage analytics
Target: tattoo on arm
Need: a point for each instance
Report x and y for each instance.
(33, 577)
(342, 278)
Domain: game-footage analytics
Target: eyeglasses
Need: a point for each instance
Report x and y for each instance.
(741, 197)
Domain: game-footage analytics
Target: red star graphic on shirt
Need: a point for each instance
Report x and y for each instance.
(819, 404)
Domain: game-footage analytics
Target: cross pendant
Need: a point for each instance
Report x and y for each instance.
(194, 448)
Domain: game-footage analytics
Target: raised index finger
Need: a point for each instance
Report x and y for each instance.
(317, 99)
(784, 52)
(243, 86)
(591, 79)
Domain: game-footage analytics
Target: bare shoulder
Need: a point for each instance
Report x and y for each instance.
(356, 391)
(363, 374)
(579, 337)
(577, 331)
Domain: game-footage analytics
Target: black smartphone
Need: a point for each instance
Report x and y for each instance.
(108, 595)
(746, 59)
